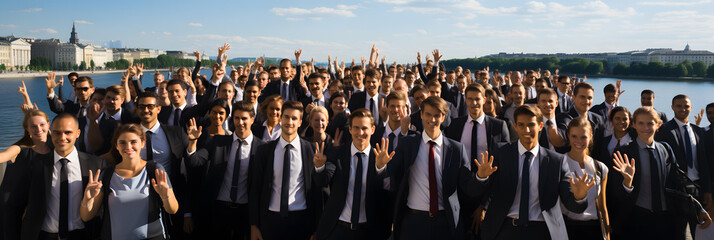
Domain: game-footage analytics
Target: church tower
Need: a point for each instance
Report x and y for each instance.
(73, 39)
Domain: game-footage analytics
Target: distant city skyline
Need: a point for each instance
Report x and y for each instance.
(400, 28)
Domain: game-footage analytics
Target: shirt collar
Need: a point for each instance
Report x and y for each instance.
(522, 149)
(354, 150)
(180, 107)
(153, 129)
(680, 123)
(545, 119)
(479, 119)
(249, 139)
(322, 99)
(116, 116)
(439, 140)
(295, 142)
(608, 105)
(71, 157)
(644, 145)
(388, 129)
(559, 93)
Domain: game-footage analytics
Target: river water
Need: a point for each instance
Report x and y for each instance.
(700, 92)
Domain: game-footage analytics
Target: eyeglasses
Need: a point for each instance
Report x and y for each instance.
(146, 106)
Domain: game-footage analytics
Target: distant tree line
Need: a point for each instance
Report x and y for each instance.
(684, 69)
(567, 65)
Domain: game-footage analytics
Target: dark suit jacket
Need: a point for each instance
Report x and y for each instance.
(600, 109)
(662, 115)
(565, 103)
(375, 206)
(708, 140)
(496, 132)
(262, 183)
(379, 131)
(211, 160)
(501, 186)
(58, 106)
(458, 182)
(186, 114)
(358, 100)
(672, 135)
(419, 124)
(107, 126)
(597, 121)
(296, 91)
(33, 198)
(543, 139)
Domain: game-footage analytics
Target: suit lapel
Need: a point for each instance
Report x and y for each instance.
(510, 164)
(307, 164)
(48, 167)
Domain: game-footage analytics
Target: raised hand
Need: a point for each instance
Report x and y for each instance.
(337, 140)
(26, 108)
(139, 68)
(382, 154)
(94, 187)
(50, 81)
(363, 61)
(297, 55)
(22, 90)
(94, 110)
(485, 166)
(224, 49)
(627, 169)
(697, 118)
(383, 110)
(581, 186)
(419, 58)
(320, 158)
(198, 55)
(192, 131)
(437, 56)
(406, 121)
(161, 184)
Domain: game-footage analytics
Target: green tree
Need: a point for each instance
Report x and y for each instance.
(710, 71)
(699, 69)
(620, 69)
(689, 66)
(681, 70)
(595, 68)
(91, 64)
(83, 66)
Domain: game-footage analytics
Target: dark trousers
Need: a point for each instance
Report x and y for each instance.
(296, 225)
(346, 231)
(583, 230)
(645, 224)
(79, 234)
(535, 230)
(229, 221)
(419, 225)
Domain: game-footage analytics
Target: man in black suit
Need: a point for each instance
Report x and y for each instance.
(529, 181)
(83, 88)
(565, 102)
(286, 188)
(551, 137)
(370, 98)
(459, 96)
(603, 109)
(583, 93)
(166, 145)
(709, 141)
(102, 124)
(516, 93)
(55, 186)
(222, 205)
(637, 198)
(430, 175)
(179, 113)
(398, 123)
(686, 141)
(529, 85)
(317, 98)
(356, 208)
(434, 90)
(289, 86)
(647, 100)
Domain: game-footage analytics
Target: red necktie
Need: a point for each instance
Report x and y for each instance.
(433, 189)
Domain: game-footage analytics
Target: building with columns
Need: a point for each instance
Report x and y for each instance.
(15, 51)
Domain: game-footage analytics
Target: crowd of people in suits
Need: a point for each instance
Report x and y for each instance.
(367, 151)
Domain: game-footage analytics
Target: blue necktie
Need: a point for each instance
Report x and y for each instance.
(655, 182)
(525, 190)
(357, 193)
(688, 147)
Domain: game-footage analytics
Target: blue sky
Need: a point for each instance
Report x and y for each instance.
(347, 29)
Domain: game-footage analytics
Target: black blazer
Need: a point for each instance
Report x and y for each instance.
(375, 204)
(544, 141)
(419, 124)
(58, 106)
(565, 103)
(458, 182)
(671, 134)
(186, 114)
(262, 183)
(273, 88)
(708, 140)
(379, 131)
(597, 121)
(600, 109)
(211, 160)
(358, 100)
(501, 186)
(496, 132)
(33, 198)
(107, 126)
(662, 115)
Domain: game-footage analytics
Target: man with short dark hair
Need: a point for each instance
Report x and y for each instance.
(565, 102)
(611, 95)
(583, 94)
(647, 97)
(179, 113)
(288, 88)
(369, 98)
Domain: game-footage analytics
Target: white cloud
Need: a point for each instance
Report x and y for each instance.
(83, 22)
(501, 33)
(474, 6)
(674, 3)
(462, 25)
(421, 10)
(294, 19)
(167, 33)
(536, 7)
(7, 25)
(586, 9)
(44, 30)
(315, 12)
(347, 7)
(557, 24)
(422, 31)
(195, 25)
(219, 37)
(297, 42)
(29, 10)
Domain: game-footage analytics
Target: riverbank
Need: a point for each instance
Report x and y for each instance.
(14, 75)
(649, 78)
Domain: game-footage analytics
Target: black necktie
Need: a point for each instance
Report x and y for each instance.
(474, 140)
(688, 147)
(236, 173)
(656, 184)
(64, 200)
(284, 189)
(357, 193)
(392, 137)
(372, 108)
(82, 117)
(177, 116)
(149, 147)
(545, 142)
(525, 190)
(284, 92)
(316, 102)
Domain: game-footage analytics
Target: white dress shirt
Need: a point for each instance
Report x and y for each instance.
(173, 110)
(346, 214)
(271, 135)
(358, 90)
(482, 138)
(296, 193)
(534, 211)
(545, 120)
(224, 193)
(116, 116)
(320, 102)
(376, 102)
(161, 151)
(590, 212)
(627, 139)
(75, 194)
(692, 171)
(418, 198)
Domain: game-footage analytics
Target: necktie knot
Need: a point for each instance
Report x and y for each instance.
(549, 123)
(529, 155)
(432, 143)
(64, 161)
